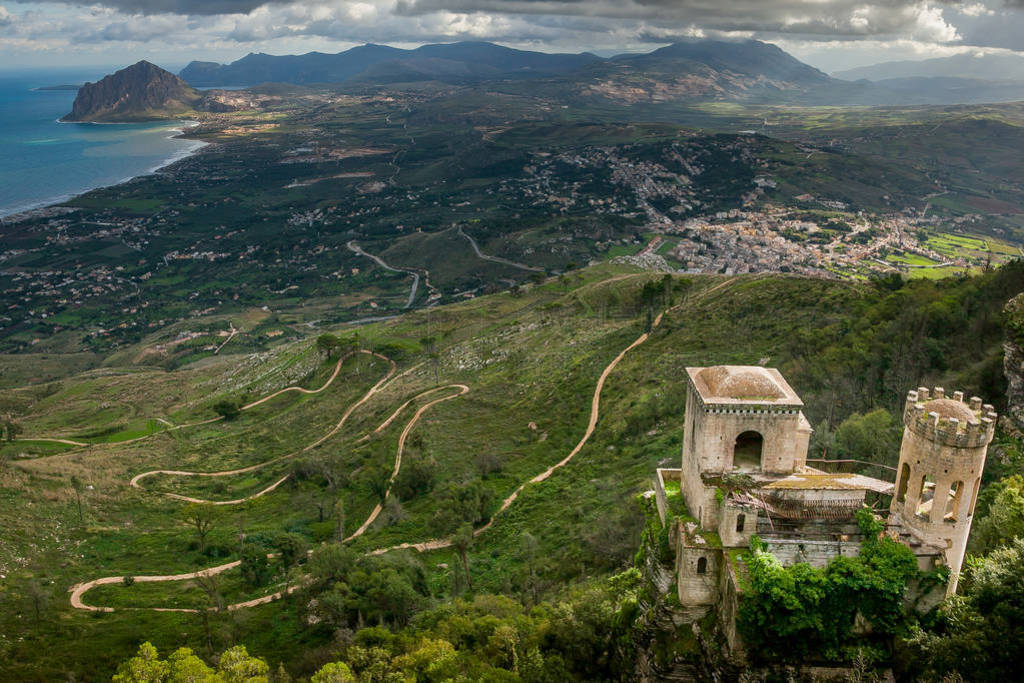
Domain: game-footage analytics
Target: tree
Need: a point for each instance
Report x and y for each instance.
(254, 567)
(145, 667)
(339, 520)
(202, 517)
(416, 478)
(533, 565)
(229, 409)
(462, 541)
(332, 563)
(38, 598)
(327, 344)
(183, 666)
(77, 485)
(874, 437)
(291, 548)
(236, 665)
(377, 480)
(12, 428)
(1003, 518)
(335, 672)
(458, 503)
(981, 633)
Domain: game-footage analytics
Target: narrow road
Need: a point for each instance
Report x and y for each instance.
(595, 414)
(380, 262)
(230, 337)
(497, 259)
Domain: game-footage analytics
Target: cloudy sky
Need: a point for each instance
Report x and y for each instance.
(831, 34)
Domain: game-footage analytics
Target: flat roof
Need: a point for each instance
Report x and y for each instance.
(825, 481)
(743, 385)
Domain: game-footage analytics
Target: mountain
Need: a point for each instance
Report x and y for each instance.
(750, 58)
(700, 70)
(985, 67)
(456, 63)
(139, 92)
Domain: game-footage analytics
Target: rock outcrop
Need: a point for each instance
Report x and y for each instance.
(1013, 360)
(141, 92)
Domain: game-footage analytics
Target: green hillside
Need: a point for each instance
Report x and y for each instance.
(529, 360)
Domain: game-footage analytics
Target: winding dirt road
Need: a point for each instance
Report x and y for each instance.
(252, 468)
(79, 590)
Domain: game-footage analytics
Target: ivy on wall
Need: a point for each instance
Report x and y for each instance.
(805, 612)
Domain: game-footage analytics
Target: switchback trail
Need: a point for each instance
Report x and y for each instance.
(595, 413)
(435, 544)
(81, 589)
(171, 428)
(595, 408)
(252, 468)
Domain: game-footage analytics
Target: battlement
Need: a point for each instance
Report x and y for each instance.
(949, 420)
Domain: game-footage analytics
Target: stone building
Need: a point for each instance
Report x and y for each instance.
(744, 471)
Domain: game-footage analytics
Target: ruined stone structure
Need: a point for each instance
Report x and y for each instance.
(744, 471)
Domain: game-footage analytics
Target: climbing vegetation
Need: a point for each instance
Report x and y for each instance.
(805, 612)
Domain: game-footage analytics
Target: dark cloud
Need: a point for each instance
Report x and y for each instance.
(854, 18)
(183, 7)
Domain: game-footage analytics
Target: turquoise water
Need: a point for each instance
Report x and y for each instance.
(43, 161)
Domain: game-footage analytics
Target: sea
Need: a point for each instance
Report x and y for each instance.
(43, 161)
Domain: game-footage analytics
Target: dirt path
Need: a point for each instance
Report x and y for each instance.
(434, 544)
(463, 389)
(230, 337)
(68, 442)
(81, 589)
(252, 468)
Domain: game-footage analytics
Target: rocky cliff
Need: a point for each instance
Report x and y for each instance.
(141, 92)
(1013, 360)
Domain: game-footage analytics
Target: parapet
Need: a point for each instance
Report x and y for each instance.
(949, 421)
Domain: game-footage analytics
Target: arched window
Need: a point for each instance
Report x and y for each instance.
(925, 497)
(974, 498)
(956, 491)
(746, 454)
(741, 519)
(702, 565)
(901, 496)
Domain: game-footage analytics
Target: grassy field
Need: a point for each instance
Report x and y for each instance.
(530, 360)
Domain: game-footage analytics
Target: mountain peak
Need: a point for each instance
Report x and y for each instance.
(142, 91)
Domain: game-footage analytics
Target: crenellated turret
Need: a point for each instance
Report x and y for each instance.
(945, 442)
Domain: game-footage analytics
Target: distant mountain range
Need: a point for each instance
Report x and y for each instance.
(697, 69)
(987, 67)
(686, 72)
(454, 63)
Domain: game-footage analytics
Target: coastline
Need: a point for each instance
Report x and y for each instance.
(190, 147)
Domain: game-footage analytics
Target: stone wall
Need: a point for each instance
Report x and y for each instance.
(816, 553)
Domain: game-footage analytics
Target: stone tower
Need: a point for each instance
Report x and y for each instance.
(945, 441)
(738, 419)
